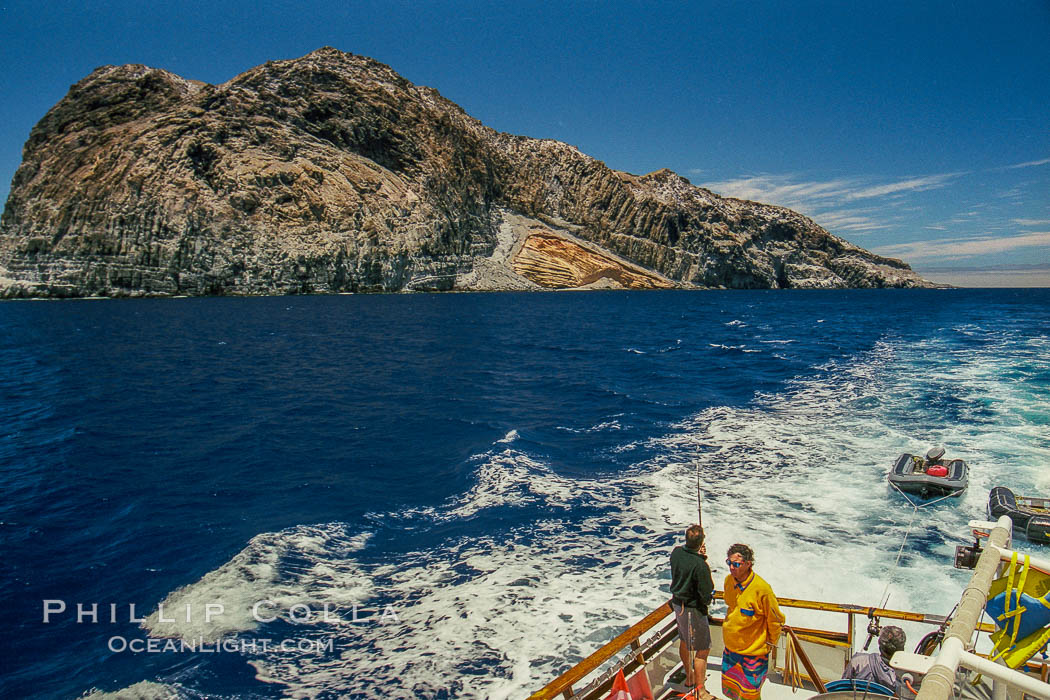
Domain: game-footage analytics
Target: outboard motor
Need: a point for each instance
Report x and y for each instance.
(1038, 529)
(1001, 501)
(934, 454)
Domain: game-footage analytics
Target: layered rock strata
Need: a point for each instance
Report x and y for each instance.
(555, 262)
(331, 173)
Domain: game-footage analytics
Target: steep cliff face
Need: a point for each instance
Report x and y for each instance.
(331, 173)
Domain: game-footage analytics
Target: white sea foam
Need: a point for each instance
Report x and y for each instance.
(600, 427)
(669, 348)
(480, 615)
(144, 690)
(303, 566)
(738, 348)
(799, 475)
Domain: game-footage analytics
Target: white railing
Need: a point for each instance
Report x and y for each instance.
(956, 649)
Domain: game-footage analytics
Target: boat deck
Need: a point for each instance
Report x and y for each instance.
(775, 688)
(806, 659)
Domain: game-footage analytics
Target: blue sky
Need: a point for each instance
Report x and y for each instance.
(919, 130)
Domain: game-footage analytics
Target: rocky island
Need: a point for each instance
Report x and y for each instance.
(332, 173)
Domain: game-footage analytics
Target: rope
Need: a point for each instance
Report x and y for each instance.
(914, 511)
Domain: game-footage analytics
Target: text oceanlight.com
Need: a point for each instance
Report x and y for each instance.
(120, 645)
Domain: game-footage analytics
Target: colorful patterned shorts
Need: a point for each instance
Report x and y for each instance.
(742, 676)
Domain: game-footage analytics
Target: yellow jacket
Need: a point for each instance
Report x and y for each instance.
(754, 618)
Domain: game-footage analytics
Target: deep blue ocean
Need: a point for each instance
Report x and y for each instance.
(479, 489)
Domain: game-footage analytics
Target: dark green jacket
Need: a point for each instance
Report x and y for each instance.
(691, 583)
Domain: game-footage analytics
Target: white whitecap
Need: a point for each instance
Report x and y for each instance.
(304, 565)
(144, 690)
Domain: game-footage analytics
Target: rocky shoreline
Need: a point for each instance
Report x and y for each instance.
(332, 174)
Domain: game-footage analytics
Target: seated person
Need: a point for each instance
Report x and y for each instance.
(876, 667)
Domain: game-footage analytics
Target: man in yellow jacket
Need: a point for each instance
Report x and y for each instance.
(751, 628)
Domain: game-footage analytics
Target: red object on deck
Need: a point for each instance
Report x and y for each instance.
(620, 691)
(938, 470)
(639, 686)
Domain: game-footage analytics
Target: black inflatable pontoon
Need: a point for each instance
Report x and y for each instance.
(1030, 515)
(929, 477)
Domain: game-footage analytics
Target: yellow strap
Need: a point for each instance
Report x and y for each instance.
(1009, 584)
(1024, 577)
(1016, 613)
(1018, 590)
(1008, 649)
(1020, 587)
(1001, 650)
(998, 654)
(1029, 647)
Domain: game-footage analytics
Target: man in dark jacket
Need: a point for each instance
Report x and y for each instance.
(691, 593)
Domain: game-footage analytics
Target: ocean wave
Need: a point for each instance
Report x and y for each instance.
(600, 427)
(668, 348)
(734, 348)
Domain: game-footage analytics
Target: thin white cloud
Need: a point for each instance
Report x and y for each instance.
(1029, 164)
(784, 189)
(780, 189)
(915, 184)
(827, 202)
(849, 220)
(959, 248)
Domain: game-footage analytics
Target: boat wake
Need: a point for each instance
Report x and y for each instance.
(498, 589)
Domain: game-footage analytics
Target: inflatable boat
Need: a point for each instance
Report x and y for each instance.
(1030, 515)
(929, 477)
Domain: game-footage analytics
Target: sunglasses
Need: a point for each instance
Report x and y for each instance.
(735, 564)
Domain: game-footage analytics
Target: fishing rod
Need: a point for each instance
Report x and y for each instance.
(699, 498)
